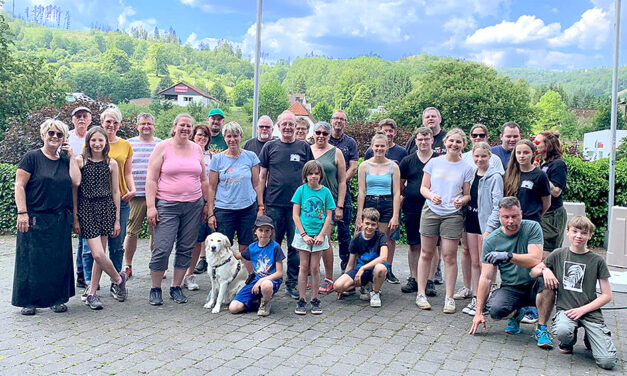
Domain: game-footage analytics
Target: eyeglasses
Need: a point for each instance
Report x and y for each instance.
(203, 135)
(318, 133)
(478, 135)
(53, 133)
(82, 116)
(287, 124)
(338, 118)
(264, 127)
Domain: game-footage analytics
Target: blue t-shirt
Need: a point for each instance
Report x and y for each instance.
(235, 187)
(503, 154)
(313, 207)
(264, 259)
(366, 250)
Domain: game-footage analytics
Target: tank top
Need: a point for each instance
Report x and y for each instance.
(378, 185)
(327, 160)
(180, 176)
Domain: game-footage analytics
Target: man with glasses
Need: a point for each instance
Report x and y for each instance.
(264, 134)
(510, 135)
(215, 119)
(431, 119)
(348, 146)
(282, 162)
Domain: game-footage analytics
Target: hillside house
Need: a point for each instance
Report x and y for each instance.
(182, 94)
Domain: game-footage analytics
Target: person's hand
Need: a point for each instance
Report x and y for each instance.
(458, 203)
(436, 199)
(339, 214)
(308, 239)
(116, 229)
(128, 196)
(257, 286)
(358, 224)
(77, 226)
(205, 213)
(358, 275)
(319, 239)
(550, 281)
(212, 222)
(476, 321)
(485, 235)
(153, 216)
(575, 313)
(393, 224)
(67, 149)
(496, 258)
(260, 212)
(22, 222)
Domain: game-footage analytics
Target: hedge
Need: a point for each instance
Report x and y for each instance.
(587, 183)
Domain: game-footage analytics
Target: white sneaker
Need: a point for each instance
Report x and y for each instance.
(375, 299)
(190, 282)
(364, 291)
(422, 302)
(264, 308)
(449, 305)
(463, 293)
(470, 309)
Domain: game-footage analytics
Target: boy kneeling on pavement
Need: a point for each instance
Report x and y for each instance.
(573, 272)
(367, 262)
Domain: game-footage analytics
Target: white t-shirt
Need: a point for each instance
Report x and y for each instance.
(76, 142)
(495, 162)
(447, 180)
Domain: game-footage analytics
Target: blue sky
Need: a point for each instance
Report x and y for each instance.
(558, 34)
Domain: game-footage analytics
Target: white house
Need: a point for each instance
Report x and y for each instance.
(597, 145)
(182, 94)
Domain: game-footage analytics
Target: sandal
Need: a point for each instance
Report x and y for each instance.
(59, 308)
(29, 311)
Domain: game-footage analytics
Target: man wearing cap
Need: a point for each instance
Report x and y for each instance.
(216, 120)
(81, 118)
(264, 134)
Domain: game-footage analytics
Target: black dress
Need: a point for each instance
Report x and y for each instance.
(44, 270)
(96, 209)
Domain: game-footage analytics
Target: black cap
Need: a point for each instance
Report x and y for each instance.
(82, 108)
(264, 220)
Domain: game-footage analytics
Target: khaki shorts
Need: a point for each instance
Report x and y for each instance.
(447, 226)
(137, 216)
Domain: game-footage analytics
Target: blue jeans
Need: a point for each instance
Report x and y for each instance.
(344, 232)
(79, 254)
(116, 245)
(284, 226)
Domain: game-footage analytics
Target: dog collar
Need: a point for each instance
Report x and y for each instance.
(224, 263)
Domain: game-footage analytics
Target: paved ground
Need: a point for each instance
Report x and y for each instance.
(133, 337)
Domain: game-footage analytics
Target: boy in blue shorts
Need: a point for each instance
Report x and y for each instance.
(367, 262)
(573, 273)
(266, 258)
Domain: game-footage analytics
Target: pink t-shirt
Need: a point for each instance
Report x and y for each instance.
(180, 176)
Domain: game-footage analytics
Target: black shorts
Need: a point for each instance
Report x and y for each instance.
(508, 299)
(412, 227)
(471, 222)
(241, 221)
(384, 204)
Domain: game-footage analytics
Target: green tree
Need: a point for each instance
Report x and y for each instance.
(157, 59)
(218, 92)
(100, 42)
(393, 84)
(58, 42)
(164, 83)
(363, 95)
(273, 99)
(124, 43)
(115, 60)
(551, 113)
(357, 111)
(135, 85)
(322, 111)
(603, 118)
(242, 92)
(621, 150)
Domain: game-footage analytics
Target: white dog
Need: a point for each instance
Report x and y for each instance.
(228, 274)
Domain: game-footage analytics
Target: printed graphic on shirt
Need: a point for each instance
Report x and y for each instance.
(294, 158)
(314, 208)
(367, 256)
(573, 276)
(526, 184)
(262, 266)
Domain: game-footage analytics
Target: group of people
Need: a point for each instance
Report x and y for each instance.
(503, 203)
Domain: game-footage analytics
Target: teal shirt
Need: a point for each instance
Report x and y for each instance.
(530, 233)
(313, 207)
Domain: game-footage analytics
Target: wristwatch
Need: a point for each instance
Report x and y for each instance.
(510, 255)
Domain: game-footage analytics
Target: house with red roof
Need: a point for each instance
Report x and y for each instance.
(182, 94)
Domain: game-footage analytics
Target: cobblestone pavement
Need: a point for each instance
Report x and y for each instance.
(133, 337)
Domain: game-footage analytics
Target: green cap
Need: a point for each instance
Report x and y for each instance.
(216, 111)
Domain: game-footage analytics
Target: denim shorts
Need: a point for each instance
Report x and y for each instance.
(384, 204)
(366, 276)
(301, 245)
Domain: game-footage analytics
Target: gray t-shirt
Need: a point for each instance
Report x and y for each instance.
(577, 275)
(530, 233)
(235, 188)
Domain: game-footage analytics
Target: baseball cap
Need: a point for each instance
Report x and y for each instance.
(216, 111)
(264, 220)
(82, 108)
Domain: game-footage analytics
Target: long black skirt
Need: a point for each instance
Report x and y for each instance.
(44, 269)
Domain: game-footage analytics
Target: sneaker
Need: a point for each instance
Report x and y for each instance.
(93, 301)
(430, 289)
(438, 275)
(375, 299)
(364, 291)
(264, 308)
(411, 286)
(470, 309)
(59, 308)
(463, 293)
(201, 267)
(80, 280)
(327, 287)
(155, 296)
(544, 338)
(291, 292)
(315, 307)
(513, 324)
(343, 265)
(391, 278)
(349, 292)
(177, 295)
(190, 282)
(28, 311)
(422, 302)
(118, 290)
(128, 270)
(301, 307)
(565, 349)
(531, 315)
(449, 305)
(85, 293)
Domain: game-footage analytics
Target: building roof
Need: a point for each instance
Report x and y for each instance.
(141, 101)
(299, 110)
(191, 88)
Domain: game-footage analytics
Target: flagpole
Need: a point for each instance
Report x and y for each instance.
(257, 53)
(610, 201)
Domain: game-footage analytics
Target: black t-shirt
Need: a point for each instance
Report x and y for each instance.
(366, 250)
(474, 193)
(533, 186)
(254, 145)
(285, 166)
(395, 153)
(438, 144)
(556, 172)
(411, 168)
(49, 188)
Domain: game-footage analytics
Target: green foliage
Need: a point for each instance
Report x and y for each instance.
(551, 112)
(602, 119)
(322, 111)
(393, 84)
(164, 83)
(242, 92)
(124, 43)
(218, 92)
(115, 60)
(357, 111)
(157, 62)
(621, 150)
(273, 99)
(7, 198)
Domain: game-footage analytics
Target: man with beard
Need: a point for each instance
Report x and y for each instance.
(264, 134)
(215, 119)
(510, 135)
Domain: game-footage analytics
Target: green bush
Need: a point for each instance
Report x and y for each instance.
(7, 198)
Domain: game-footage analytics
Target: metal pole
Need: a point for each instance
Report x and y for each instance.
(257, 53)
(610, 201)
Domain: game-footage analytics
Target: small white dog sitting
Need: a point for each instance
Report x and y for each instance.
(228, 274)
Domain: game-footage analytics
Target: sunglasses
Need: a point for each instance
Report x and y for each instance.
(264, 127)
(318, 133)
(81, 116)
(478, 135)
(53, 133)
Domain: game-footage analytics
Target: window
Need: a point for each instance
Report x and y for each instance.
(187, 99)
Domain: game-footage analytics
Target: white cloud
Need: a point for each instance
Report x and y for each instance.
(200, 4)
(591, 31)
(458, 25)
(544, 59)
(525, 29)
(482, 8)
(122, 18)
(193, 41)
(493, 58)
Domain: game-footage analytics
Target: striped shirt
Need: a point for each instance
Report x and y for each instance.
(141, 155)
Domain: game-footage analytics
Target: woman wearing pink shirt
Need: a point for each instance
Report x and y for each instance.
(175, 187)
